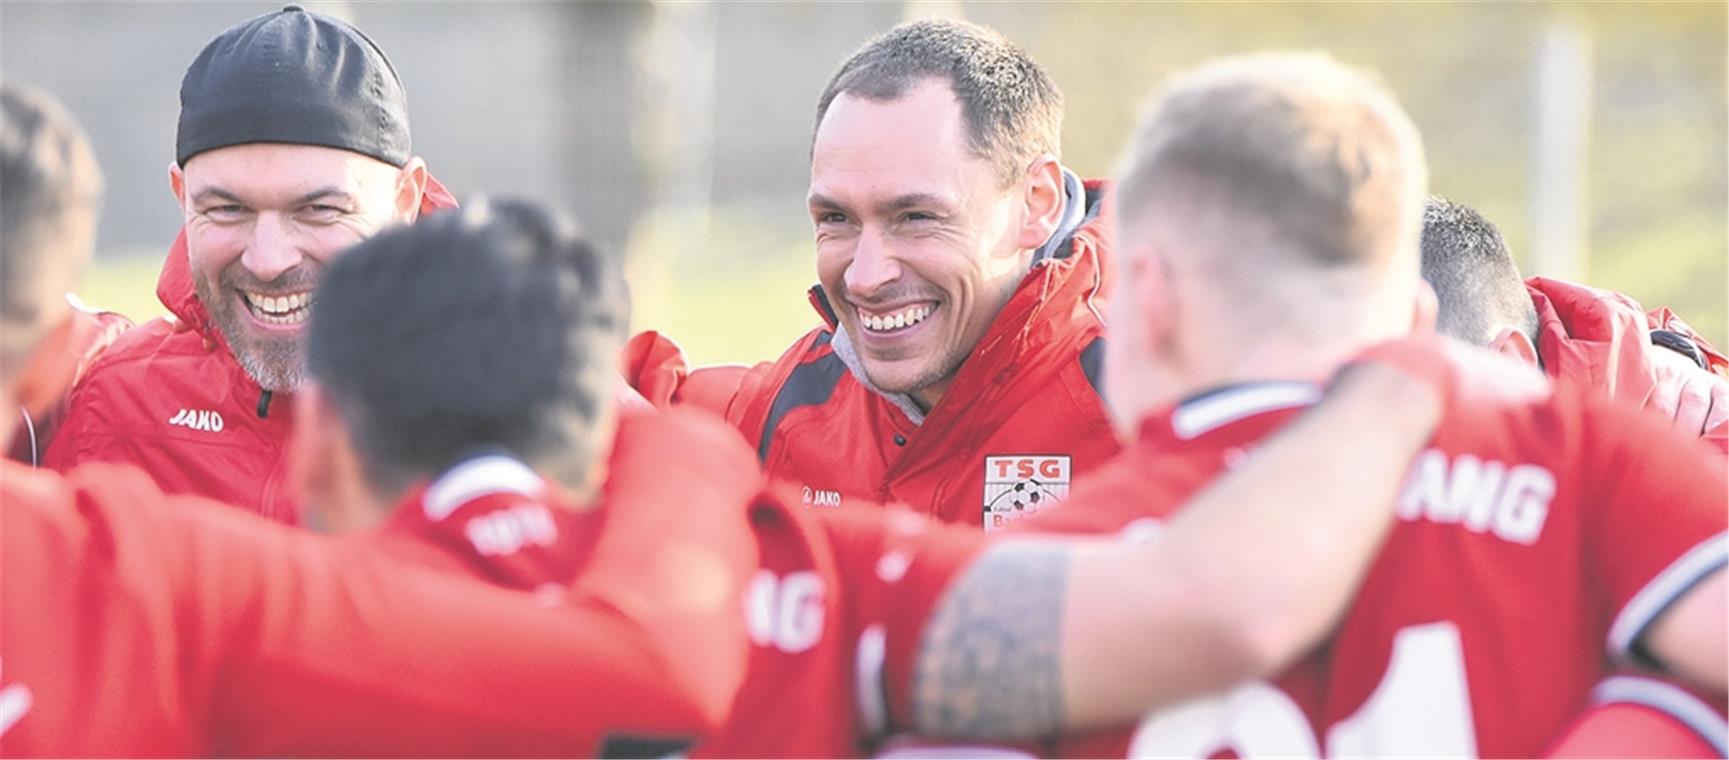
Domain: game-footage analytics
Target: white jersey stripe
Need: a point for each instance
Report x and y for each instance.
(1657, 595)
(1229, 405)
(1669, 700)
(479, 477)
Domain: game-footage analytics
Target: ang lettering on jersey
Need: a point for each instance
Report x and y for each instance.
(1485, 496)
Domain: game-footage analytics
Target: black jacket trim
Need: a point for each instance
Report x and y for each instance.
(1093, 365)
(810, 384)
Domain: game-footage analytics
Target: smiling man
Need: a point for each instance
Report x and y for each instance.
(293, 144)
(962, 275)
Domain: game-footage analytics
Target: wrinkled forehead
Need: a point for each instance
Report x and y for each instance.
(275, 173)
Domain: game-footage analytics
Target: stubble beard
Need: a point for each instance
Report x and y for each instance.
(944, 367)
(276, 364)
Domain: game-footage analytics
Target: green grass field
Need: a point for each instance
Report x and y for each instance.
(126, 284)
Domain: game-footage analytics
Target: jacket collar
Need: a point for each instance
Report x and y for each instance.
(1591, 338)
(487, 473)
(843, 348)
(1207, 411)
(1075, 212)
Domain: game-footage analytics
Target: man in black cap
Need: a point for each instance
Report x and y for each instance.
(293, 144)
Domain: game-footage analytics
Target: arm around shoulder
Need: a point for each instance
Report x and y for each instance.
(331, 650)
(1043, 634)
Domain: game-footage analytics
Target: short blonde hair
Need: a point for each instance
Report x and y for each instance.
(1317, 156)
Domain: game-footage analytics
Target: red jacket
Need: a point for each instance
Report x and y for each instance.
(92, 333)
(176, 403)
(493, 518)
(142, 625)
(1022, 419)
(812, 683)
(1598, 339)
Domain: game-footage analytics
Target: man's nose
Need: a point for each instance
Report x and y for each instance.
(273, 248)
(873, 265)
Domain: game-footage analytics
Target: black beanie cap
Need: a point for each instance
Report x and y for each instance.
(298, 77)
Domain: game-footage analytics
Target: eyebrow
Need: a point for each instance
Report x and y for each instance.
(898, 203)
(327, 192)
(216, 193)
(911, 200)
(818, 200)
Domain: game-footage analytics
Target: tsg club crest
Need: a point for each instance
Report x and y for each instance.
(1019, 486)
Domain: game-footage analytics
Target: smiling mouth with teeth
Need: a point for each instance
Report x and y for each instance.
(896, 320)
(289, 309)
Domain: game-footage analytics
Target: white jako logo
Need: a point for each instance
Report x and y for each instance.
(820, 498)
(198, 419)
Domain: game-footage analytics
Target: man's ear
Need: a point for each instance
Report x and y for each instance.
(1142, 358)
(324, 466)
(1426, 309)
(47, 376)
(177, 184)
(410, 189)
(1043, 199)
(1512, 342)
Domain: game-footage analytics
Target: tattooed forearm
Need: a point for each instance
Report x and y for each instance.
(990, 664)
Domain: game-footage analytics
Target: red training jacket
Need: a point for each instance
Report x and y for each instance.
(1598, 339)
(93, 332)
(1023, 418)
(176, 403)
(835, 610)
(138, 624)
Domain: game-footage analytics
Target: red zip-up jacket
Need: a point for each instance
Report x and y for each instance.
(139, 624)
(1599, 339)
(176, 403)
(1023, 418)
(93, 331)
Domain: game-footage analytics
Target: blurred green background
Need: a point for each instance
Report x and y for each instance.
(698, 122)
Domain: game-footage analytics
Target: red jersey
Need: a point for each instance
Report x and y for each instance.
(835, 616)
(834, 612)
(494, 518)
(1524, 563)
(139, 624)
(92, 331)
(837, 593)
(1643, 716)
